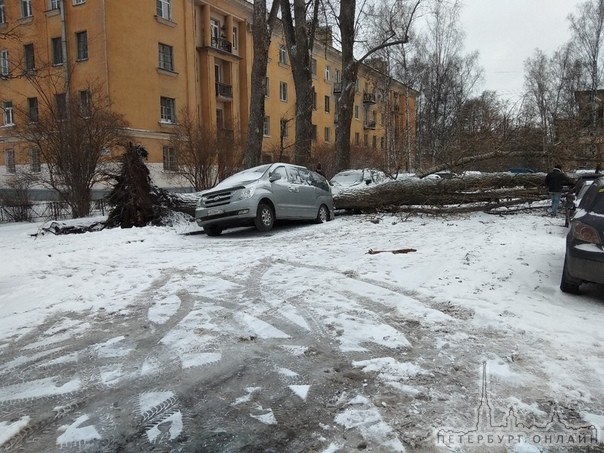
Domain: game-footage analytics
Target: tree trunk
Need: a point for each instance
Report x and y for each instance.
(261, 32)
(349, 77)
(300, 38)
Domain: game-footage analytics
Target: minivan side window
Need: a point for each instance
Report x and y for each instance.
(281, 171)
(304, 176)
(294, 176)
(318, 181)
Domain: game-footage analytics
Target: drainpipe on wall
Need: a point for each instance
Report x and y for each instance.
(64, 50)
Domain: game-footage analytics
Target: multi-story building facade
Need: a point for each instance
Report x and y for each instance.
(156, 61)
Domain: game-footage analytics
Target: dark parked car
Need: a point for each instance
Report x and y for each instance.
(258, 196)
(584, 260)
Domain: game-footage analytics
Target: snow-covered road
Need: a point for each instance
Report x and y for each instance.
(299, 340)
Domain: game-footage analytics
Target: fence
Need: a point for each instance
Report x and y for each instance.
(45, 211)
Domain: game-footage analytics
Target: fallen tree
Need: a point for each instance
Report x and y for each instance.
(468, 193)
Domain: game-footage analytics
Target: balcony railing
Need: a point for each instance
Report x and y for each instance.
(337, 87)
(368, 98)
(369, 124)
(224, 91)
(222, 44)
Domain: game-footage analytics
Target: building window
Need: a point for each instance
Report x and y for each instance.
(170, 160)
(82, 45)
(7, 113)
(356, 112)
(29, 56)
(284, 124)
(235, 38)
(164, 9)
(4, 63)
(32, 110)
(327, 104)
(327, 72)
(314, 99)
(2, 15)
(85, 104)
(26, 8)
(313, 66)
(266, 87)
(283, 91)
(54, 4)
(282, 55)
(382, 142)
(61, 104)
(78, 2)
(357, 138)
(168, 110)
(366, 140)
(374, 141)
(34, 159)
(165, 57)
(327, 134)
(9, 159)
(266, 127)
(338, 75)
(57, 51)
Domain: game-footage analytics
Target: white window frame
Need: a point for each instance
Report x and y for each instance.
(283, 55)
(266, 126)
(167, 110)
(215, 28)
(283, 91)
(235, 38)
(29, 60)
(26, 10)
(9, 161)
(267, 91)
(2, 13)
(57, 52)
(327, 72)
(166, 57)
(32, 110)
(4, 63)
(327, 134)
(54, 4)
(164, 9)
(78, 2)
(170, 160)
(81, 45)
(8, 114)
(35, 164)
(327, 104)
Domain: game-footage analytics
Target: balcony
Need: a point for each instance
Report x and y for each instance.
(369, 124)
(224, 90)
(337, 87)
(222, 44)
(368, 98)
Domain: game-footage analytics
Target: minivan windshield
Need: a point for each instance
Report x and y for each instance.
(243, 177)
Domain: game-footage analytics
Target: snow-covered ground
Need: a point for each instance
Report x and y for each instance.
(300, 340)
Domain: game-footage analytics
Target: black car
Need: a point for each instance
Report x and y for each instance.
(584, 259)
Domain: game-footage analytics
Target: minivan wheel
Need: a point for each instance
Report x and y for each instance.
(322, 215)
(569, 284)
(212, 230)
(265, 218)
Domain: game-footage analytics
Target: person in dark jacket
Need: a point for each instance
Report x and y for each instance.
(555, 182)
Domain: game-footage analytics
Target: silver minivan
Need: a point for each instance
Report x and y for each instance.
(260, 195)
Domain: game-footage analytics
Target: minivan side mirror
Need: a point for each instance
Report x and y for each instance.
(274, 177)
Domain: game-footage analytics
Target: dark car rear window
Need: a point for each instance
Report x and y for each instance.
(593, 200)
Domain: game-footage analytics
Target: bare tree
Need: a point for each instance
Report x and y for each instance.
(445, 77)
(395, 33)
(73, 136)
(262, 26)
(299, 30)
(588, 37)
(196, 152)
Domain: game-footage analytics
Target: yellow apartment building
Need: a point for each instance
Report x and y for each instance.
(157, 59)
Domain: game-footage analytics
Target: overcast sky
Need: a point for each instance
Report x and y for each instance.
(507, 32)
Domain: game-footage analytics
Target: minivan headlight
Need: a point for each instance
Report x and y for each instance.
(248, 192)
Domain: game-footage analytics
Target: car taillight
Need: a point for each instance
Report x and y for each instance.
(585, 233)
